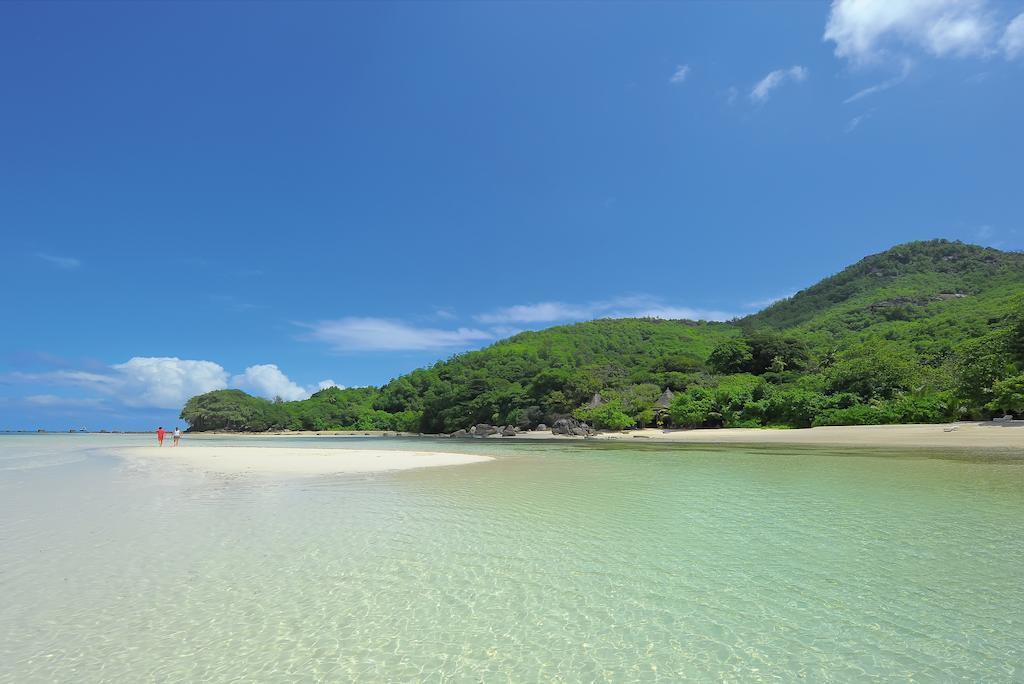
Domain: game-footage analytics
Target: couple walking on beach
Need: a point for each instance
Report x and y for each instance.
(160, 432)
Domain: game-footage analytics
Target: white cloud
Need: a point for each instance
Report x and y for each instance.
(638, 306)
(267, 380)
(53, 401)
(66, 263)
(759, 304)
(776, 78)
(381, 334)
(160, 382)
(1012, 41)
(870, 31)
(680, 74)
(857, 121)
(165, 382)
(541, 312)
(73, 378)
(884, 85)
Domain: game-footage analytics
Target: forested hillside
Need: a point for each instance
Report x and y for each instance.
(924, 332)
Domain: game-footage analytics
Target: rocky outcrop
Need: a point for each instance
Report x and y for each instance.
(508, 431)
(571, 427)
(541, 428)
(460, 433)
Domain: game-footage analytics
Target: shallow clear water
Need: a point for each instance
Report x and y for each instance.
(563, 562)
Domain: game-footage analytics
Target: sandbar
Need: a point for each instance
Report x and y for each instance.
(293, 460)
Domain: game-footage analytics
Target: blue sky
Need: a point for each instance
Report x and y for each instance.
(276, 196)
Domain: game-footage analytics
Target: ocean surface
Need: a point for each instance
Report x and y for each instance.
(555, 562)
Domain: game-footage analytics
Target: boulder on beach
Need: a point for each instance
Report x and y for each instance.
(460, 433)
(570, 426)
(484, 430)
(508, 431)
(541, 428)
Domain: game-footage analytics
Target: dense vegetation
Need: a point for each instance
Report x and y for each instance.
(924, 332)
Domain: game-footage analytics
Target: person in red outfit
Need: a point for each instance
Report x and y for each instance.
(160, 436)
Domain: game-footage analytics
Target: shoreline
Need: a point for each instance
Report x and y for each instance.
(942, 435)
(974, 434)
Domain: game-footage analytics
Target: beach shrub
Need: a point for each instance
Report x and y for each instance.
(933, 408)
(793, 406)
(693, 407)
(608, 416)
(859, 414)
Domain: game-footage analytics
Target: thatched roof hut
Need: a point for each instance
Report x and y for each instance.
(665, 400)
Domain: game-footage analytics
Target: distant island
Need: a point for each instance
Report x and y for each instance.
(925, 332)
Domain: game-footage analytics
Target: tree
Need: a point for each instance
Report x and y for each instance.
(732, 356)
(770, 349)
(226, 410)
(1008, 395)
(977, 366)
(874, 371)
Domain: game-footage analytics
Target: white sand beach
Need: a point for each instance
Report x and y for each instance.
(293, 460)
(1009, 435)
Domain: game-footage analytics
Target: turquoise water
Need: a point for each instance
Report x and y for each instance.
(555, 562)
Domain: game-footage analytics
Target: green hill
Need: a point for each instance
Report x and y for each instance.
(924, 332)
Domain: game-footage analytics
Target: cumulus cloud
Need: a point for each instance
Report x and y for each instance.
(64, 262)
(680, 74)
(870, 31)
(165, 381)
(1012, 41)
(776, 78)
(267, 380)
(382, 334)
